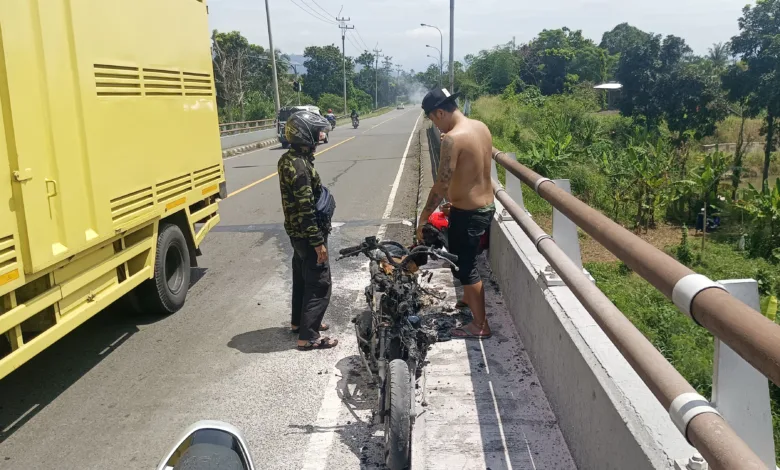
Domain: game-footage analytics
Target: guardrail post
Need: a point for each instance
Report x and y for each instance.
(739, 392)
(565, 236)
(514, 188)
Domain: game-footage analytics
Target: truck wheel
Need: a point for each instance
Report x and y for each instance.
(398, 424)
(167, 291)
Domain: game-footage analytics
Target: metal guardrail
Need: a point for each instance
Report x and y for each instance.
(747, 332)
(230, 128)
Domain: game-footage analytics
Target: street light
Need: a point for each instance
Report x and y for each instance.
(441, 42)
(441, 65)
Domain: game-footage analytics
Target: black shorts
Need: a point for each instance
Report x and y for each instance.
(465, 233)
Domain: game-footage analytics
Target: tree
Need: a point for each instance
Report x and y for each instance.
(758, 45)
(661, 81)
(738, 86)
(324, 72)
(430, 78)
(493, 70)
(692, 101)
(364, 79)
(622, 38)
(638, 71)
(235, 62)
(719, 55)
(565, 58)
(330, 101)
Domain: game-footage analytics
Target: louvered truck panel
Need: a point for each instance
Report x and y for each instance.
(108, 125)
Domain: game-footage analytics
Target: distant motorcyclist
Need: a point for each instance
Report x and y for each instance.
(355, 118)
(330, 116)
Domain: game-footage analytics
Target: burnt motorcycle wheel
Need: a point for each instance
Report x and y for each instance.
(398, 425)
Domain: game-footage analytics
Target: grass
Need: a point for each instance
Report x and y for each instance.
(728, 131)
(688, 347)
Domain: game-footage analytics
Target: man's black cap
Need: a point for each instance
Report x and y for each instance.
(436, 98)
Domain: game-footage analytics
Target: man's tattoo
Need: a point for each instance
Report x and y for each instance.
(444, 176)
(445, 162)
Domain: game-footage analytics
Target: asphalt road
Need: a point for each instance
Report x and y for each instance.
(116, 392)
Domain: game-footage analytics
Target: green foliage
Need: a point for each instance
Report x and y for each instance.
(683, 251)
(763, 209)
(757, 81)
(622, 38)
(659, 82)
(769, 307)
(361, 101)
(331, 101)
(324, 72)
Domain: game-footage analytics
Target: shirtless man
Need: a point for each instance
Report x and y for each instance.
(464, 179)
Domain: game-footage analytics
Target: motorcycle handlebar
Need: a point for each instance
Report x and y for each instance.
(448, 256)
(351, 250)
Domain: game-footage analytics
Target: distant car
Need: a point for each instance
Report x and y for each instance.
(400, 106)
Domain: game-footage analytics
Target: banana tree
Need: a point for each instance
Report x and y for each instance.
(705, 180)
(763, 208)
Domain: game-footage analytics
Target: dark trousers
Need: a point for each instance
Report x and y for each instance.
(311, 289)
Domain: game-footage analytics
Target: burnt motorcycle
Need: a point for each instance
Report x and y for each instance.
(391, 341)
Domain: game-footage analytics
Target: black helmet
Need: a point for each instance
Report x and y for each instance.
(304, 127)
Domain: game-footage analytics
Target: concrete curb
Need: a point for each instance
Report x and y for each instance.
(231, 152)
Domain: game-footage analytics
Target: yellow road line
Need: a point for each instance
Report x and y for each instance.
(266, 178)
(252, 184)
(334, 146)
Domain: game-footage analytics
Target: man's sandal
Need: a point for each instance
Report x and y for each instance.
(321, 343)
(323, 327)
(463, 333)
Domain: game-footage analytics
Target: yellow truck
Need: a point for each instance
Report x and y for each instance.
(110, 161)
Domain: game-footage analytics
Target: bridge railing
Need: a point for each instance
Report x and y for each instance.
(230, 128)
(746, 331)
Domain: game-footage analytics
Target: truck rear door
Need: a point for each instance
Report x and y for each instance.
(47, 150)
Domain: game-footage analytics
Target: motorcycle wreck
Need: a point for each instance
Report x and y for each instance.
(391, 336)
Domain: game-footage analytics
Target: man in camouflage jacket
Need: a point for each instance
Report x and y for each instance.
(300, 187)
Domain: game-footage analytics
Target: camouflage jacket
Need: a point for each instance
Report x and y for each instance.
(300, 186)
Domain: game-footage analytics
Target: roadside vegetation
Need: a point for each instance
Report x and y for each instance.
(688, 138)
(244, 79)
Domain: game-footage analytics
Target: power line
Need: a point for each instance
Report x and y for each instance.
(326, 11)
(311, 14)
(362, 41)
(328, 17)
(357, 48)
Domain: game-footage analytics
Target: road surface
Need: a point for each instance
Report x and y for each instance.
(116, 392)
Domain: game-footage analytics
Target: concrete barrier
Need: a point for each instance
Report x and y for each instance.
(609, 418)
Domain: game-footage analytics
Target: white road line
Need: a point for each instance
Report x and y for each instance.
(321, 440)
(391, 200)
(20, 418)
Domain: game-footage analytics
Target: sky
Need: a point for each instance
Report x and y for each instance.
(479, 24)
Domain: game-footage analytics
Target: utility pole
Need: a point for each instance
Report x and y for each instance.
(273, 58)
(452, 46)
(344, 27)
(377, 54)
